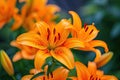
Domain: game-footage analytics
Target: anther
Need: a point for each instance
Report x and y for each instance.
(85, 25)
(54, 31)
(91, 31)
(86, 29)
(58, 36)
(55, 39)
(51, 75)
(44, 78)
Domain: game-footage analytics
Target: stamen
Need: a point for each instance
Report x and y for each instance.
(48, 33)
(44, 78)
(85, 25)
(48, 30)
(55, 39)
(91, 31)
(58, 36)
(86, 29)
(54, 31)
(51, 75)
(38, 33)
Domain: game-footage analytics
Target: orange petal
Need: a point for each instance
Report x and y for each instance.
(31, 39)
(77, 23)
(43, 29)
(89, 33)
(109, 77)
(92, 67)
(105, 58)
(73, 43)
(17, 22)
(40, 59)
(82, 71)
(17, 56)
(60, 73)
(96, 43)
(27, 55)
(89, 48)
(52, 8)
(61, 29)
(64, 56)
(27, 77)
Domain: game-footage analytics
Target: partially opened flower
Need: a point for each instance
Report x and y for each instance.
(51, 40)
(60, 73)
(6, 63)
(7, 6)
(26, 52)
(91, 73)
(34, 11)
(104, 59)
(87, 34)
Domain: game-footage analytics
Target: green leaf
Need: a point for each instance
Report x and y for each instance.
(39, 74)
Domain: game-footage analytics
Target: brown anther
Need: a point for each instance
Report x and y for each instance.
(58, 36)
(55, 39)
(86, 29)
(91, 31)
(44, 78)
(54, 31)
(48, 31)
(38, 33)
(85, 25)
(51, 75)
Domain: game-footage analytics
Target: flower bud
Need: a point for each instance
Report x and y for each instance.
(6, 62)
(105, 58)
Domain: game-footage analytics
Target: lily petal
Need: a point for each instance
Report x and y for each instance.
(31, 39)
(77, 23)
(64, 56)
(82, 71)
(17, 56)
(60, 73)
(73, 43)
(105, 58)
(27, 77)
(109, 77)
(40, 59)
(92, 67)
(96, 43)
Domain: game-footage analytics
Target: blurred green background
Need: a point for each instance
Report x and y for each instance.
(104, 13)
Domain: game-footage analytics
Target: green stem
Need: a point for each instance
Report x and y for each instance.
(13, 77)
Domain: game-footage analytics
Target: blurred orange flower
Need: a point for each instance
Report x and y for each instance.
(58, 74)
(34, 11)
(90, 73)
(86, 34)
(51, 40)
(7, 11)
(25, 52)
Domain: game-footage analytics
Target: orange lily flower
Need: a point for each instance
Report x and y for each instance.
(6, 6)
(58, 74)
(34, 11)
(51, 40)
(6, 63)
(86, 34)
(90, 73)
(26, 52)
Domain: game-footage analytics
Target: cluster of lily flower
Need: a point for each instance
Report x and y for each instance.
(47, 39)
